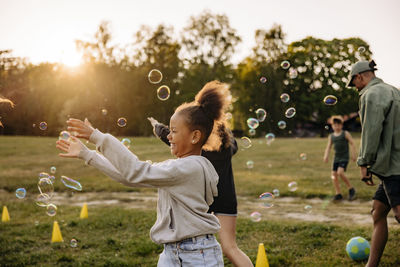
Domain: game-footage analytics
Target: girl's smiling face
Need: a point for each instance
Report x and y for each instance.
(183, 141)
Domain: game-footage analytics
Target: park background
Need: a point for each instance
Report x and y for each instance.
(68, 59)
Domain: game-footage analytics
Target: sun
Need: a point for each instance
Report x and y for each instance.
(70, 58)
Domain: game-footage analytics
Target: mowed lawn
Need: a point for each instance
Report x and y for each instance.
(116, 236)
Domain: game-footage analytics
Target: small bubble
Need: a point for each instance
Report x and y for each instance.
(43, 125)
(255, 216)
(51, 210)
(285, 97)
(276, 192)
(163, 92)
(303, 156)
(267, 199)
(245, 142)
(330, 100)
(252, 123)
(293, 73)
(250, 164)
(20, 193)
(308, 208)
(71, 183)
(155, 76)
(53, 170)
(290, 112)
(270, 138)
(285, 64)
(64, 135)
(104, 111)
(42, 200)
(281, 125)
(361, 49)
(73, 243)
(121, 122)
(261, 114)
(263, 80)
(252, 132)
(126, 142)
(292, 186)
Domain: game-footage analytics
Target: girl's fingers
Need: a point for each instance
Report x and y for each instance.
(66, 155)
(74, 129)
(62, 148)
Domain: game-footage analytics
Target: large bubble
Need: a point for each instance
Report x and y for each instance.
(261, 114)
(267, 199)
(253, 123)
(245, 142)
(64, 135)
(45, 186)
(71, 183)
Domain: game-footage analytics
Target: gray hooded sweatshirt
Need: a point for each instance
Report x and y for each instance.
(186, 187)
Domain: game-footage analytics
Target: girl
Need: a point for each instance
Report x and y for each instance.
(220, 153)
(6, 101)
(186, 185)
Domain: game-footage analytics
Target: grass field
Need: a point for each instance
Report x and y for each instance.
(118, 234)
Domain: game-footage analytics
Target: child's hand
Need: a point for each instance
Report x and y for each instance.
(72, 148)
(152, 121)
(326, 159)
(84, 129)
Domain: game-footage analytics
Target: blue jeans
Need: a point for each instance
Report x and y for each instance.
(197, 251)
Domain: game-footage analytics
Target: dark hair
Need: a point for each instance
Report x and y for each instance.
(337, 121)
(206, 112)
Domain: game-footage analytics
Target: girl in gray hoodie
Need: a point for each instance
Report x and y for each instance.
(186, 185)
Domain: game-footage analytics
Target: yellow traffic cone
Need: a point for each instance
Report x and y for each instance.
(84, 212)
(262, 260)
(56, 236)
(5, 217)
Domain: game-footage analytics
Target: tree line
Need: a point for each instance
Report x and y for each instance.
(113, 81)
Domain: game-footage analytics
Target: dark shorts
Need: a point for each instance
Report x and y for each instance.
(342, 164)
(225, 203)
(388, 191)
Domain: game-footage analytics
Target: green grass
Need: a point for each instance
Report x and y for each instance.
(116, 236)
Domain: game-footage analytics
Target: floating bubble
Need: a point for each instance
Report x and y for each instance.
(275, 192)
(253, 123)
(43, 125)
(46, 186)
(252, 132)
(308, 208)
(293, 73)
(104, 111)
(71, 183)
(361, 49)
(20, 193)
(34, 125)
(245, 142)
(255, 216)
(121, 122)
(267, 199)
(281, 125)
(42, 200)
(155, 76)
(292, 186)
(51, 210)
(53, 170)
(285, 64)
(290, 112)
(177, 92)
(303, 156)
(64, 135)
(126, 142)
(270, 138)
(52, 178)
(73, 243)
(163, 92)
(285, 97)
(326, 127)
(261, 115)
(263, 80)
(330, 100)
(44, 175)
(250, 164)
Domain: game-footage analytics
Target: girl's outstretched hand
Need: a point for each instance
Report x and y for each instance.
(152, 121)
(72, 147)
(84, 129)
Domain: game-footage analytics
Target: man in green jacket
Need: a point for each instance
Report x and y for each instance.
(380, 148)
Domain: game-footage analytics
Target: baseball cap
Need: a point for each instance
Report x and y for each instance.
(360, 67)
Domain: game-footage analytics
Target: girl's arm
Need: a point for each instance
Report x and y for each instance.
(352, 146)
(327, 149)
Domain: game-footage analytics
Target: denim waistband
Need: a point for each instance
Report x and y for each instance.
(192, 239)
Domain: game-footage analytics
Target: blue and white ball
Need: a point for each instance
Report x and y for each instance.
(358, 248)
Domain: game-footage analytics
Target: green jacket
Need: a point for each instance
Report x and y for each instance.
(380, 119)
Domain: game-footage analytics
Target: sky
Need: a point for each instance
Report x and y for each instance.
(46, 30)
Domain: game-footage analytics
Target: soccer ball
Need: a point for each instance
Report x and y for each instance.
(358, 248)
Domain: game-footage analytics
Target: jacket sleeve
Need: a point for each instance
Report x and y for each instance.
(372, 114)
(131, 171)
(162, 132)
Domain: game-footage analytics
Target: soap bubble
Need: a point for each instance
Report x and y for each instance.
(330, 100)
(46, 187)
(245, 142)
(126, 142)
(361, 49)
(303, 156)
(255, 216)
(73, 243)
(42, 200)
(252, 123)
(155, 76)
(43, 175)
(177, 92)
(163, 92)
(275, 192)
(52, 178)
(43, 125)
(285, 97)
(53, 170)
(250, 164)
(263, 80)
(292, 186)
(308, 208)
(64, 135)
(290, 112)
(71, 183)
(285, 64)
(281, 125)
(252, 132)
(267, 199)
(293, 73)
(20, 193)
(121, 122)
(326, 127)
(270, 138)
(261, 114)
(51, 210)
(104, 111)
